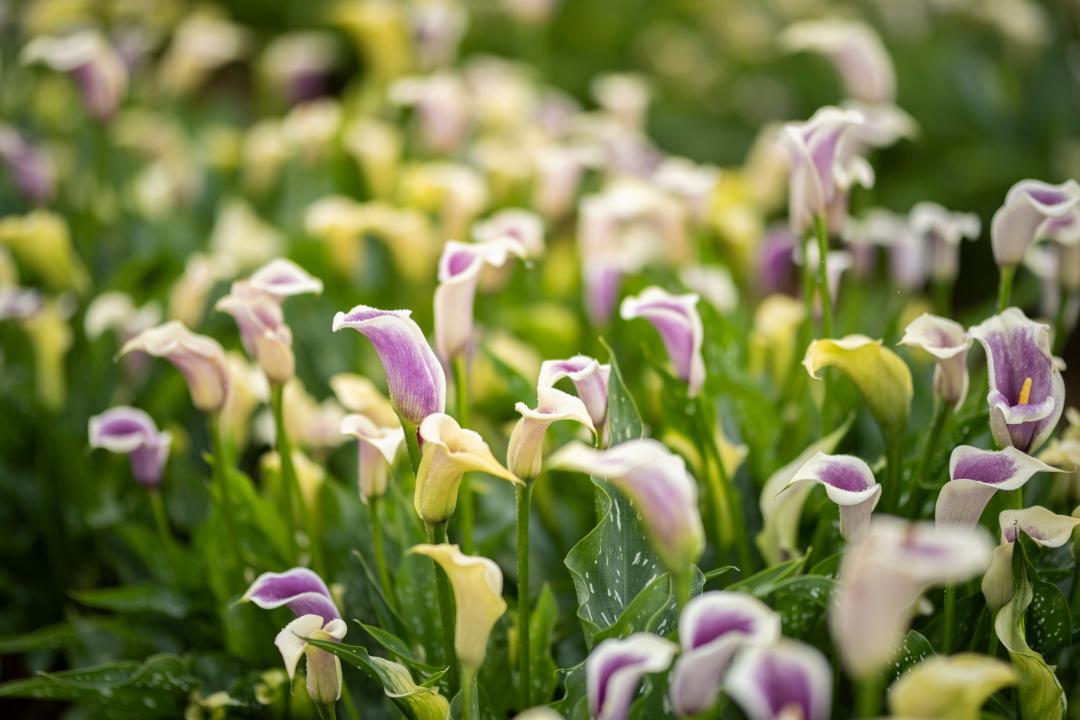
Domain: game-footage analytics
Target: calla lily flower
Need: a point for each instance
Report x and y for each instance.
(93, 64)
(713, 283)
(357, 394)
(299, 589)
(614, 670)
(377, 448)
(1029, 206)
(1027, 393)
(283, 278)
(590, 379)
(882, 577)
(449, 451)
(30, 167)
(825, 164)
(459, 273)
(772, 340)
(477, 584)
(883, 380)
(953, 687)
(975, 475)
(945, 230)
(658, 484)
(677, 320)
(116, 311)
(416, 378)
(785, 680)
(525, 453)
(849, 483)
(712, 628)
(1044, 527)
(263, 332)
(132, 432)
(854, 49)
(521, 226)
(948, 342)
(199, 358)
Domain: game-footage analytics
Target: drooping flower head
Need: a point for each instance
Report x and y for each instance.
(780, 681)
(945, 230)
(524, 454)
(614, 670)
(263, 332)
(377, 447)
(282, 278)
(522, 226)
(677, 320)
(1029, 208)
(93, 64)
(947, 341)
(975, 475)
(854, 49)
(590, 379)
(849, 483)
(1045, 528)
(1027, 393)
(199, 358)
(132, 432)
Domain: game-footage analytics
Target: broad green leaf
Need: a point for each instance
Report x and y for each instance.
(652, 610)
(574, 704)
(915, 649)
(135, 599)
(542, 621)
(1048, 622)
(45, 638)
(801, 603)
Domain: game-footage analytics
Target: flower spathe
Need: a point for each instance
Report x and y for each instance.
(949, 687)
(614, 670)
(93, 64)
(263, 332)
(945, 230)
(780, 681)
(849, 483)
(1027, 392)
(1028, 208)
(660, 488)
(948, 342)
(377, 447)
(199, 359)
(712, 628)
(524, 454)
(477, 584)
(677, 320)
(449, 451)
(590, 379)
(299, 589)
(414, 375)
(132, 432)
(1044, 527)
(854, 49)
(282, 278)
(975, 475)
(515, 224)
(323, 668)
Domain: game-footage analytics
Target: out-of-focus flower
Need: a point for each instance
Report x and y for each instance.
(1064, 451)
(884, 124)
(525, 452)
(265, 336)
(692, 183)
(41, 240)
(677, 320)
(377, 147)
(377, 447)
(948, 342)
(660, 488)
(953, 687)
(776, 261)
(614, 670)
(115, 311)
(825, 164)
(1044, 527)
(945, 231)
(132, 432)
(357, 394)
(837, 263)
(441, 103)
(199, 358)
(281, 278)
(559, 170)
(188, 295)
(1027, 392)
(19, 303)
(437, 28)
(590, 379)
(298, 64)
(713, 283)
(414, 375)
(772, 340)
(50, 335)
(849, 483)
(521, 226)
(264, 153)
(882, 577)
(242, 241)
(459, 273)
(975, 475)
(624, 96)
(531, 11)
(448, 452)
(854, 49)
(380, 28)
(93, 64)
(309, 422)
(456, 193)
(883, 379)
(784, 680)
(712, 628)
(1028, 208)
(202, 43)
(477, 584)
(248, 388)
(30, 166)
(907, 250)
(310, 475)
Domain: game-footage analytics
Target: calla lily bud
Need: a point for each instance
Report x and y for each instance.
(1027, 393)
(416, 378)
(947, 341)
(1044, 527)
(377, 448)
(323, 668)
(1029, 205)
(590, 380)
(712, 629)
(132, 432)
(525, 453)
(459, 272)
(882, 577)
(945, 230)
(953, 687)
(449, 451)
(93, 64)
(975, 475)
(882, 378)
(781, 681)
(521, 226)
(477, 584)
(299, 589)
(658, 484)
(115, 311)
(614, 670)
(281, 278)
(199, 358)
(854, 49)
(263, 331)
(677, 320)
(849, 483)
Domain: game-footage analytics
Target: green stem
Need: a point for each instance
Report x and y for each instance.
(808, 287)
(1061, 332)
(220, 472)
(682, 588)
(469, 709)
(289, 483)
(825, 299)
(727, 498)
(161, 521)
(869, 696)
(943, 290)
(950, 619)
(1016, 498)
(1005, 285)
(941, 416)
(437, 535)
(465, 495)
(326, 711)
(375, 510)
(524, 497)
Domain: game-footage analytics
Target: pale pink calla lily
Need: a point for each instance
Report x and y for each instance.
(1029, 210)
(975, 475)
(945, 230)
(199, 358)
(263, 332)
(377, 447)
(677, 320)
(948, 342)
(849, 483)
(590, 379)
(94, 65)
(525, 452)
(283, 278)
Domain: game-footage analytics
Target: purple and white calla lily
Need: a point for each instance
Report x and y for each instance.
(849, 483)
(281, 278)
(945, 230)
(975, 475)
(524, 454)
(520, 226)
(1044, 527)
(614, 670)
(712, 628)
(132, 432)
(1027, 393)
(93, 64)
(948, 342)
(783, 681)
(1029, 209)
(590, 379)
(677, 320)
(299, 589)
(199, 359)
(263, 332)
(854, 49)
(377, 446)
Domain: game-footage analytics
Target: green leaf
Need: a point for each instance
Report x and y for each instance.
(654, 609)
(914, 650)
(765, 581)
(1048, 622)
(542, 621)
(801, 603)
(397, 647)
(45, 638)
(135, 599)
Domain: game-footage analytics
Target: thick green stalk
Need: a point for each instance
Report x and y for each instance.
(949, 620)
(220, 473)
(524, 497)
(289, 483)
(465, 495)
(326, 711)
(437, 535)
(161, 522)
(821, 231)
(1005, 285)
(682, 588)
(469, 709)
(868, 701)
(941, 416)
(375, 509)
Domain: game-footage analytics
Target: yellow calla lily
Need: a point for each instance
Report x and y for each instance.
(41, 241)
(952, 688)
(772, 341)
(51, 338)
